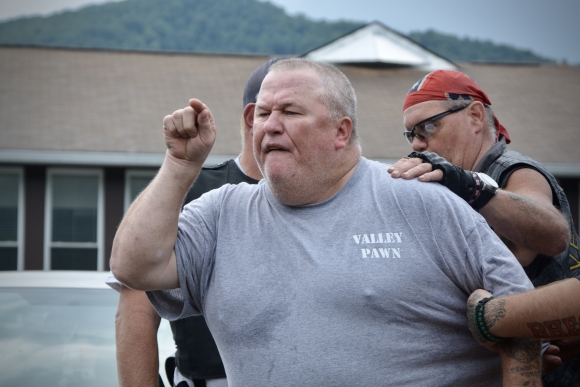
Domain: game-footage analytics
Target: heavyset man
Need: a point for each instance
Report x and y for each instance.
(313, 277)
(459, 142)
(198, 362)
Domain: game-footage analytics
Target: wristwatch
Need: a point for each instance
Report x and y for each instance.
(488, 188)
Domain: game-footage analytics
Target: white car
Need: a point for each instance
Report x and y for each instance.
(57, 329)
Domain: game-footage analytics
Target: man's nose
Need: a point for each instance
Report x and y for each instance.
(273, 124)
(419, 145)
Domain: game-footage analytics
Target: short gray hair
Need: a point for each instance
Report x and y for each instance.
(489, 115)
(338, 93)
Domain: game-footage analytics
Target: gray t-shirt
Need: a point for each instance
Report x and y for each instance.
(368, 288)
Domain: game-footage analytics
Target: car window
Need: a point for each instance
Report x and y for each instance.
(57, 337)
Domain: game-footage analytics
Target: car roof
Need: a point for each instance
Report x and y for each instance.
(54, 279)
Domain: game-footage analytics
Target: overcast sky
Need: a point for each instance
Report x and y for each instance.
(547, 27)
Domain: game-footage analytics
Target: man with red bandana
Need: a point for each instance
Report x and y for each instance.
(458, 141)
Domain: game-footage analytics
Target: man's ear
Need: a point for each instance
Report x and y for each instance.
(476, 113)
(343, 132)
(249, 116)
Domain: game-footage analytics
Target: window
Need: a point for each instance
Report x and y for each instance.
(135, 182)
(11, 219)
(74, 220)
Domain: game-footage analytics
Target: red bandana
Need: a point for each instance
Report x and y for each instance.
(448, 85)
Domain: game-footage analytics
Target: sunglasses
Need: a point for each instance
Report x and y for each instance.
(427, 128)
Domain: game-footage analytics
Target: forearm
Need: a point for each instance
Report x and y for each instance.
(551, 312)
(525, 222)
(143, 245)
(521, 365)
(136, 338)
(520, 357)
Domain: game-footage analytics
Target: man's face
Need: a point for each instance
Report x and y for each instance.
(293, 136)
(450, 136)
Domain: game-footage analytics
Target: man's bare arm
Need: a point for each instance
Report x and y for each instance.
(136, 326)
(142, 255)
(521, 364)
(549, 312)
(520, 357)
(522, 213)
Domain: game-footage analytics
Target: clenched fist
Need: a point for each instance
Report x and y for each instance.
(190, 132)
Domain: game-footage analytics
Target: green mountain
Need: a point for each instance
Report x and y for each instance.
(473, 50)
(224, 26)
(219, 26)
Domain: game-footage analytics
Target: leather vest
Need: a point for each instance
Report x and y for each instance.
(197, 356)
(499, 163)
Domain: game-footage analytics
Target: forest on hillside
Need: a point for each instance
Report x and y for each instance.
(218, 26)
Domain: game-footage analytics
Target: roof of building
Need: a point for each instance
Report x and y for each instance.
(89, 106)
(375, 44)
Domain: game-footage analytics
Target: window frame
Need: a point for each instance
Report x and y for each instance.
(19, 243)
(99, 244)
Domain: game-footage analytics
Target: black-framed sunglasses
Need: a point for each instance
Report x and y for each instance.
(426, 128)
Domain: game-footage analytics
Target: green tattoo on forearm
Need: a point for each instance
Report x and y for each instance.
(531, 374)
(494, 310)
(522, 350)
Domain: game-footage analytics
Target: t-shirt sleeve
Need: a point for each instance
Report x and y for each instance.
(113, 282)
(194, 251)
(472, 255)
(501, 273)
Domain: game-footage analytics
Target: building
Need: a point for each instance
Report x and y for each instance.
(376, 45)
(81, 133)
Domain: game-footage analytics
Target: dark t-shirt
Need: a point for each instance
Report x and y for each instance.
(213, 177)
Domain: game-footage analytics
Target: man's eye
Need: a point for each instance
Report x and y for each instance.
(429, 127)
(290, 113)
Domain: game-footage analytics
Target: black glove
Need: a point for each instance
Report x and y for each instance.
(459, 181)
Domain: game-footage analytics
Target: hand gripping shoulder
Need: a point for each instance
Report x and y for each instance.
(459, 181)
